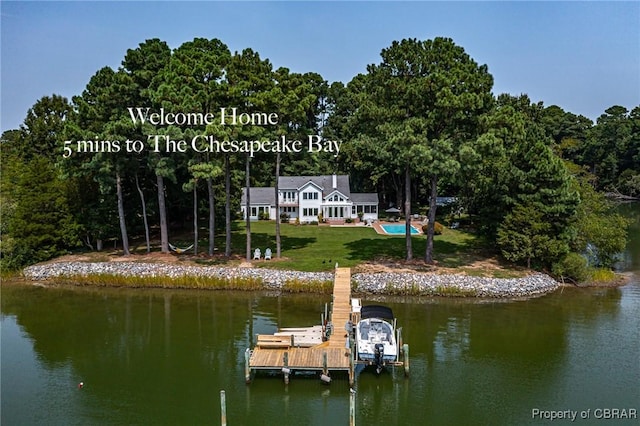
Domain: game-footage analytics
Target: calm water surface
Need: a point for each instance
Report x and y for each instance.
(162, 357)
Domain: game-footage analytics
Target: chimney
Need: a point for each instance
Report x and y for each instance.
(335, 181)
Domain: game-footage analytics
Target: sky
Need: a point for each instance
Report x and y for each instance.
(581, 56)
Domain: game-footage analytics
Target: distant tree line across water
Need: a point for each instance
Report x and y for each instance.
(421, 123)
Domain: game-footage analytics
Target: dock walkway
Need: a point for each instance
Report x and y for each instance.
(334, 354)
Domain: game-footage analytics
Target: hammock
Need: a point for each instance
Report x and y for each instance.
(180, 250)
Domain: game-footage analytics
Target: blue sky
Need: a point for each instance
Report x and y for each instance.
(582, 56)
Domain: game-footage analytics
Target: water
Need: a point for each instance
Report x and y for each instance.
(398, 229)
(162, 357)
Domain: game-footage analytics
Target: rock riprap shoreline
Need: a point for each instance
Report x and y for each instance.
(372, 283)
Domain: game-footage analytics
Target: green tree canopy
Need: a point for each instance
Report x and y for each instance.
(421, 104)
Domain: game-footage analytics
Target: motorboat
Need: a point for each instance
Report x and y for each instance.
(375, 336)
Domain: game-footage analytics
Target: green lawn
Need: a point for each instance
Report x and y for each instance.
(318, 248)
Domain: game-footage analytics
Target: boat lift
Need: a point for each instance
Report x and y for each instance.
(402, 349)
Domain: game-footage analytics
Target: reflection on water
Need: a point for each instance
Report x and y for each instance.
(163, 356)
(452, 341)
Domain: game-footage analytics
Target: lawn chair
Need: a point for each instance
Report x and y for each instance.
(257, 254)
(267, 254)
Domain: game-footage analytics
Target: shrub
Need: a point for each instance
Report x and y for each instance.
(263, 215)
(348, 220)
(437, 228)
(602, 275)
(572, 267)
(284, 218)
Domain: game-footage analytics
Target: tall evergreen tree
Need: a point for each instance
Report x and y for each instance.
(422, 102)
(143, 64)
(294, 97)
(193, 82)
(102, 116)
(515, 173)
(250, 82)
(37, 220)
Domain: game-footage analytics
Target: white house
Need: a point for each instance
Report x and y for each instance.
(306, 197)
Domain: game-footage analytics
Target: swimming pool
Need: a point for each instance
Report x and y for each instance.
(398, 229)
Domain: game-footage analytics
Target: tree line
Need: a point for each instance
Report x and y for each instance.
(420, 123)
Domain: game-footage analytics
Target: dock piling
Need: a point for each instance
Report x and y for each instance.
(325, 370)
(247, 368)
(352, 407)
(405, 358)
(352, 369)
(326, 313)
(223, 408)
(285, 368)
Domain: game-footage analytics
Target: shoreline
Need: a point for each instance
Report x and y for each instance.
(381, 283)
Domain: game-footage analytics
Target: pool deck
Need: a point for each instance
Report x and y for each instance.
(377, 226)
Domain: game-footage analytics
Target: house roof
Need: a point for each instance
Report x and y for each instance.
(364, 198)
(266, 196)
(259, 196)
(325, 182)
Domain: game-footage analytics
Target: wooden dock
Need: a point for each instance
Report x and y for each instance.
(302, 349)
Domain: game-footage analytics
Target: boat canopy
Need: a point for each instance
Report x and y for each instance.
(376, 311)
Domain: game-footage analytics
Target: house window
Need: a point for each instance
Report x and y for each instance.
(310, 212)
(309, 195)
(368, 209)
(353, 210)
(288, 196)
(254, 211)
(336, 212)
